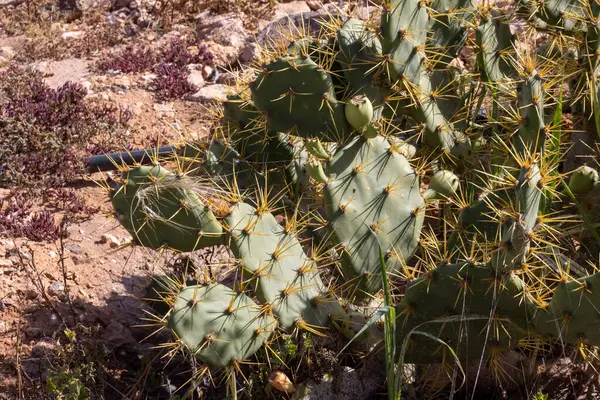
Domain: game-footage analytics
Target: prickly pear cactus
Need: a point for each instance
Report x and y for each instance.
(296, 94)
(571, 315)
(315, 170)
(469, 307)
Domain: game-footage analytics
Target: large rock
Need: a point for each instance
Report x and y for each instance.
(225, 29)
(195, 77)
(293, 7)
(117, 335)
(223, 56)
(249, 52)
(211, 93)
(276, 32)
(60, 72)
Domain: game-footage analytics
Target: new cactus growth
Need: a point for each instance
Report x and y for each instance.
(442, 186)
(583, 180)
(359, 112)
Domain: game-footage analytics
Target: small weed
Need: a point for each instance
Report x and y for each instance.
(169, 64)
(540, 396)
(66, 384)
(73, 372)
(45, 132)
(171, 82)
(128, 60)
(179, 52)
(18, 217)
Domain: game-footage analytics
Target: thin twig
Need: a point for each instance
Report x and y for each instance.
(63, 267)
(18, 360)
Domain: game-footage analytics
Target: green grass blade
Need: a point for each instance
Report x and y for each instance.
(553, 150)
(553, 147)
(593, 93)
(389, 332)
(415, 331)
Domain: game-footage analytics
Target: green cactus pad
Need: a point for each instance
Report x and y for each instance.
(434, 114)
(404, 27)
(240, 114)
(159, 209)
(564, 15)
(372, 198)
(448, 27)
(277, 269)
(572, 315)
(515, 241)
(218, 325)
(298, 97)
(531, 136)
(495, 44)
(469, 307)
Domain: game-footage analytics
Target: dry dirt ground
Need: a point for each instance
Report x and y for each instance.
(88, 283)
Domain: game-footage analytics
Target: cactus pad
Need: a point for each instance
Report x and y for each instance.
(275, 267)
(372, 198)
(477, 311)
(218, 325)
(159, 209)
(297, 96)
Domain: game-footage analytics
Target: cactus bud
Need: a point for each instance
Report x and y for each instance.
(315, 170)
(359, 112)
(443, 185)
(583, 180)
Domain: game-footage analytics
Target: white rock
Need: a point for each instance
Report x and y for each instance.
(56, 289)
(195, 78)
(87, 85)
(112, 241)
(207, 71)
(62, 71)
(7, 52)
(123, 81)
(73, 35)
(210, 93)
(313, 5)
(149, 78)
(293, 7)
(224, 29)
